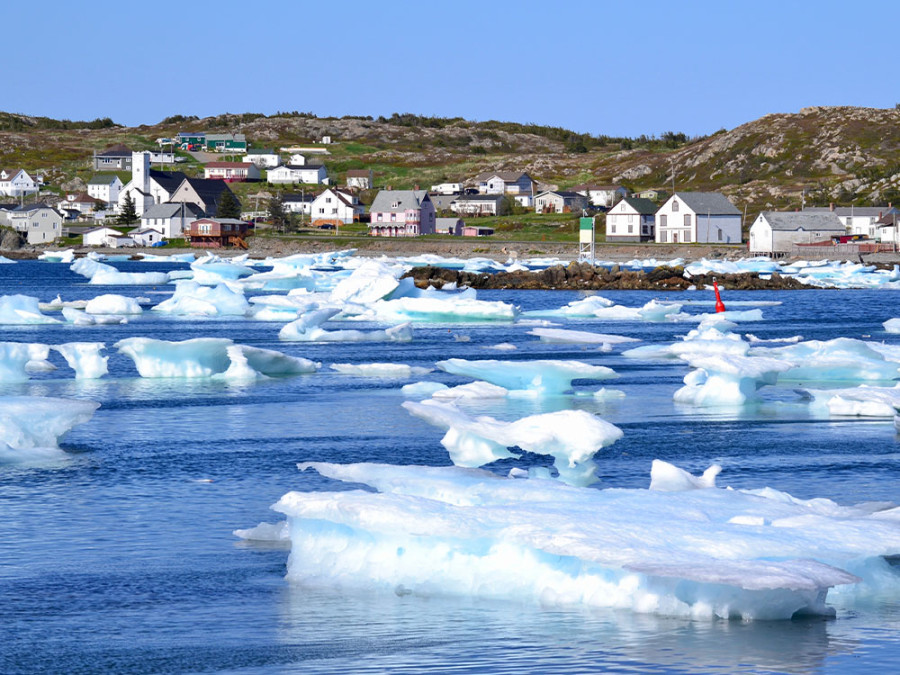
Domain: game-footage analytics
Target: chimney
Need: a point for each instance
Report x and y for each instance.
(831, 206)
(416, 186)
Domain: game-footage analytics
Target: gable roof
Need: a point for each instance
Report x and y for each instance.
(172, 210)
(475, 198)
(105, 179)
(643, 206)
(505, 176)
(260, 151)
(862, 211)
(11, 173)
(404, 199)
(117, 150)
(293, 197)
(712, 203)
(209, 191)
(789, 221)
(167, 180)
(358, 173)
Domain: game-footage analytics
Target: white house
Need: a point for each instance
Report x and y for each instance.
(447, 188)
(105, 187)
(100, 236)
(171, 220)
(287, 174)
(16, 182)
(632, 219)
(704, 217)
(146, 236)
(775, 232)
(264, 159)
(296, 159)
(81, 202)
(334, 205)
(504, 182)
(162, 157)
(886, 231)
(477, 205)
(524, 200)
(298, 203)
(601, 195)
(232, 171)
(38, 222)
(560, 201)
(360, 178)
(860, 221)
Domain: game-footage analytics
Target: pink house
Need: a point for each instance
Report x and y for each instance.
(232, 171)
(402, 213)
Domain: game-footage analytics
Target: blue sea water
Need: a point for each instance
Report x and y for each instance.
(121, 557)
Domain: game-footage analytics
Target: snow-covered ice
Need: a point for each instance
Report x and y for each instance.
(382, 370)
(85, 359)
(193, 299)
(22, 310)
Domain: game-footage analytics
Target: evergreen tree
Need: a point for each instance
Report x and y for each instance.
(276, 214)
(228, 206)
(128, 214)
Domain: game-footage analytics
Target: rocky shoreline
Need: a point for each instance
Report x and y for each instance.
(584, 276)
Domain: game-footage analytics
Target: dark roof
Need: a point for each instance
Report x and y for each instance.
(104, 179)
(478, 198)
(712, 203)
(172, 209)
(210, 191)
(643, 206)
(292, 197)
(358, 173)
(790, 221)
(168, 180)
(505, 176)
(117, 150)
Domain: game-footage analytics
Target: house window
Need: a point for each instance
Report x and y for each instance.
(687, 219)
(675, 205)
(631, 229)
(395, 205)
(630, 218)
(662, 220)
(720, 235)
(612, 229)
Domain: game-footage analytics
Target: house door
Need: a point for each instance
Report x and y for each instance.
(674, 237)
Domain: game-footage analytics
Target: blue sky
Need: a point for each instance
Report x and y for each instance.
(625, 68)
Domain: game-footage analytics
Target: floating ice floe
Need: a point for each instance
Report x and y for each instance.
(371, 281)
(724, 380)
(81, 318)
(209, 357)
(861, 401)
(841, 359)
(538, 377)
(381, 370)
(6, 261)
(422, 390)
(665, 477)
(214, 273)
(102, 274)
(892, 326)
(308, 328)
(30, 426)
(571, 437)
(706, 340)
(471, 390)
(22, 310)
(113, 304)
(66, 256)
(85, 359)
(693, 553)
(564, 336)
(15, 358)
(443, 309)
(193, 299)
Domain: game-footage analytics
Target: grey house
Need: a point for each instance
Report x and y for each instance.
(776, 232)
(114, 158)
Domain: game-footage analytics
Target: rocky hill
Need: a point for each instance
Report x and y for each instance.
(840, 155)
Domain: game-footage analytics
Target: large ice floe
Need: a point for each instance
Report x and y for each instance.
(539, 377)
(685, 548)
(308, 328)
(862, 401)
(30, 426)
(15, 358)
(193, 299)
(101, 274)
(210, 357)
(565, 336)
(22, 310)
(571, 437)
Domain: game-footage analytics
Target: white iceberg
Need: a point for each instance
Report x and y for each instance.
(695, 553)
(308, 328)
(15, 358)
(381, 370)
(571, 437)
(113, 304)
(22, 310)
(85, 359)
(564, 336)
(30, 426)
(193, 299)
(727, 380)
(539, 377)
(209, 357)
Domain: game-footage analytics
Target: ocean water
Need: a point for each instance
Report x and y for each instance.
(121, 558)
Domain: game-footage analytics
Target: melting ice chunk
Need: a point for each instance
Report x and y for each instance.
(191, 298)
(30, 426)
(15, 357)
(85, 359)
(727, 380)
(698, 553)
(22, 310)
(540, 377)
(571, 437)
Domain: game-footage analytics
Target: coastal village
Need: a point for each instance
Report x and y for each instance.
(141, 198)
